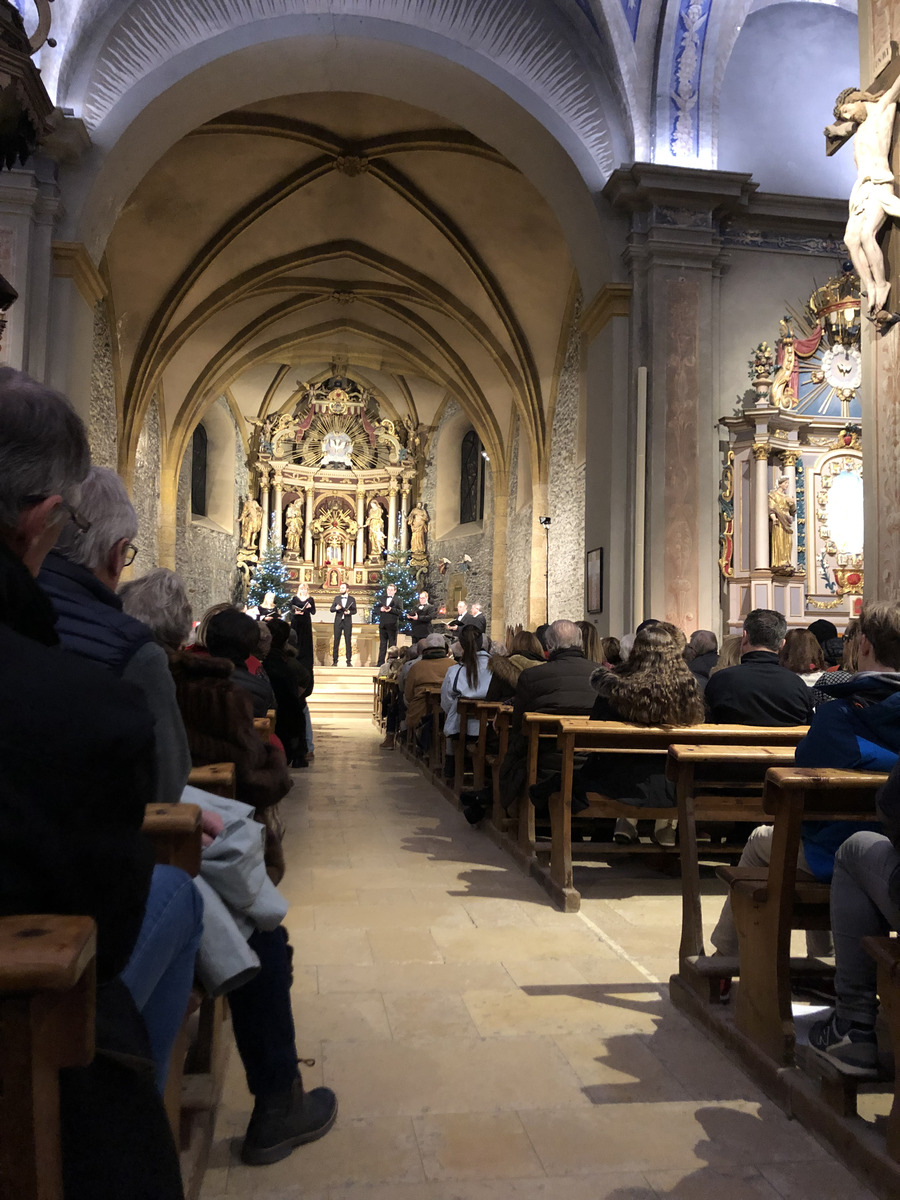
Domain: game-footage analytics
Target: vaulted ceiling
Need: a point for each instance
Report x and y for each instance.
(283, 236)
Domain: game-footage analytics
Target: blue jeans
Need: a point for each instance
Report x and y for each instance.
(160, 971)
(309, 741)
(862, 905)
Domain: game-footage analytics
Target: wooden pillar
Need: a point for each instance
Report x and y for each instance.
(761, 535)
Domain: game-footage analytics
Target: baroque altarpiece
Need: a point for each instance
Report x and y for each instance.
(335, 483)
(791, 493)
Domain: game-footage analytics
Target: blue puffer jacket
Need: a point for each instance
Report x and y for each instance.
(90, 621)
(858, 731)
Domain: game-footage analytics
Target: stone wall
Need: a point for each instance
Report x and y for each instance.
(103, 422)
(566, 491)
(479, 544)
(145, 491)
(518, 543)
(205, 554)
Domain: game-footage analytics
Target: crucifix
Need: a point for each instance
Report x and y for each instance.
(869, 117)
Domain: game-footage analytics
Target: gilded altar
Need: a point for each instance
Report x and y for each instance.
(333, 484)
(791, 489)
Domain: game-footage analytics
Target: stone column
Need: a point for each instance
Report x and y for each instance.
(361, 522)
(307, 529)
(789, 462)
(404, 513)
(761, 538)
(264, 501)
(675, 262)
(279, 528)
(392, 517)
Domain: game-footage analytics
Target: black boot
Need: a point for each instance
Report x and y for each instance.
(284, 1120)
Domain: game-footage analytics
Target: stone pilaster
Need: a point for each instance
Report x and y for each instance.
(674, 260)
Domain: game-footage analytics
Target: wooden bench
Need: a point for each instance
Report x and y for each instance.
(580, 735)
(435, 714)
(713, 784)
(502, 721)
(768, 904)
(886, 952)
(265, 726)
(47, 1017)
(218, 778)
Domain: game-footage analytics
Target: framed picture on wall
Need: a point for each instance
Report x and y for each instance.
(594, 577)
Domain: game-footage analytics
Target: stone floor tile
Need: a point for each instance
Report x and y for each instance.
(450, 1075)
(555, 1010)
(512, 944)
(475, 1146)
(390, 916)
(353, 1017)
(619, 1070)
(488, 911)
(550, 972)
(390, 895)
(826, 1180)
(331, 946)
(608, 1187)
(414, 977)
(428, 1015)
(403, 946)
(708, 1183)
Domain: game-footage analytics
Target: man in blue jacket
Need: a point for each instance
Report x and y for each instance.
(858, 730)
(865, 892)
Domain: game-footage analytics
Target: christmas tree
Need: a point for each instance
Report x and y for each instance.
(271, 575)
(397, 572)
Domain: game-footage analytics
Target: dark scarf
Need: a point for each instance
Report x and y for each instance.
(23, 606)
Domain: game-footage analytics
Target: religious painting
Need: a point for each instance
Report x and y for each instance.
(594, 580)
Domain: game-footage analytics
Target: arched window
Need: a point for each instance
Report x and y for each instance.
(199, 449)
(471, 479)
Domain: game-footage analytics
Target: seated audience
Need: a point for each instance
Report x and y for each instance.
(391, 664)
(729, 653)
(427, 671)
(611, 650)
(219, 724)
(655, 687)
(626, 641)
(704, 655)
(590, 642)
(826, 634)
(802, 654)
(675, 633)
(845, 670)
(291, 682)
(524, 652)
(858, 731)
(235, 636)
(78, 755)
(470, 679)
(560, 685)
(865, 902)
(197, 644)
(760, 691)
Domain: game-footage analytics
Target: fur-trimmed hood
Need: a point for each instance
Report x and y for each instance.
(188, 665)
(508, 669)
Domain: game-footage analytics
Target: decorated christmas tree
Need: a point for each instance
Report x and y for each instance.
(396, 571)
(271, 575)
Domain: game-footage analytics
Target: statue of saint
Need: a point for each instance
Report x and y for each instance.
(293, 525)
(781, 513)
(251, 522)
(870, 116)
(375, 523)
(418, 524)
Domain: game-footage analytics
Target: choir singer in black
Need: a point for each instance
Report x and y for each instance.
(344, 608)
(421, 617)
(389, 610)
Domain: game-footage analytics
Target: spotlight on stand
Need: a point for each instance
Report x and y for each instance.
(545, 521)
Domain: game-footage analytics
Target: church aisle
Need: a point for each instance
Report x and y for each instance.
(484, 1046)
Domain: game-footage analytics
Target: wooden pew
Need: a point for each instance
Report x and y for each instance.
(581, 735)
(265, 726)
(435, 714)
(502, 721)
(47, 1017)
(768, 904)
(485, 711)
(465, 708)
(713, 784)
(536, 726)
(886, 952)
(218, 778)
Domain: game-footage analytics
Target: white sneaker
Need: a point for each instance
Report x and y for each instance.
(664, 832)
(626, 831)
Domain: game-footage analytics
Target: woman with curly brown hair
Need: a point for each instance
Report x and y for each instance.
(801, 653)
(654, 687)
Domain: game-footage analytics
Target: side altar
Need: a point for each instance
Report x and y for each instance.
(791, 491)
(335, 484)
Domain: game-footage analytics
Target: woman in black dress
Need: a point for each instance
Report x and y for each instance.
(302, 608)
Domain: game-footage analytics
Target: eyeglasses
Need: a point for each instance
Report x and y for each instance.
(74, 516)
(129, 554)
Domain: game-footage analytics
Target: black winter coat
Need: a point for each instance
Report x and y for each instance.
(758, 692)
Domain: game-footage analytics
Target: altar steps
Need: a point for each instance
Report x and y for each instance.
(342, 692)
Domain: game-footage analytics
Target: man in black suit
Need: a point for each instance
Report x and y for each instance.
(421, 617)
(389, 610)
(461, 618)
(344, 608)
(477, 618)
